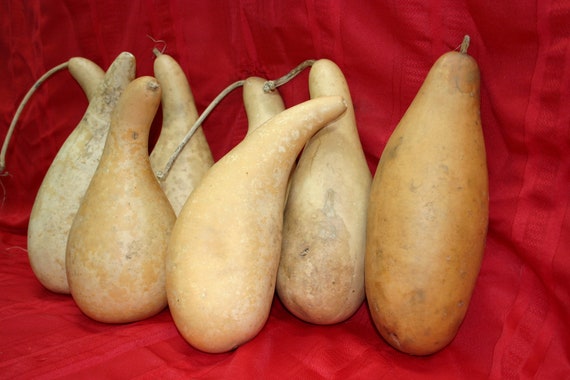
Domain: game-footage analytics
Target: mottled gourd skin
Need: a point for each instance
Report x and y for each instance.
(225, 246)
(321, 272)
(179, 114)
(428, 212)
(118, 239)
(68, 177)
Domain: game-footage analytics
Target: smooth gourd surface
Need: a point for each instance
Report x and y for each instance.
(428, 212)
(224, 250)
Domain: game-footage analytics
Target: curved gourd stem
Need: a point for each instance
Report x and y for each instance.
(161, 174)
(23, 103)
(269, 86)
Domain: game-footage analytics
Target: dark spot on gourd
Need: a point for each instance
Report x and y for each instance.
(304, 252)
(135, 135)
(379, 252)
(414, 186)
(393, 152)
(418, 296)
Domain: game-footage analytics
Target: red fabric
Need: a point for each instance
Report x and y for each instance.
(517, 323)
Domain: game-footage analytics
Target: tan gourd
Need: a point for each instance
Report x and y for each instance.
(428, 212)
(224, 250)
(118, 239)
(260, 105)
(321, 273)
(70, 172)
(179, 115)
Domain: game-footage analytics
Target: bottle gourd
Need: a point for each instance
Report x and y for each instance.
(225, 246)
(428, 212)
(118, 239)
(71, 170)
(321, 272)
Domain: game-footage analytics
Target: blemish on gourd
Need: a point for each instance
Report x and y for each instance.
(418, 296)
(379, 252)
(394, 338)
(328, 208)
(413, 186)
(393, 153)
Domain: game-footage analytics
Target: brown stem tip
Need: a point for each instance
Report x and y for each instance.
(465, 44)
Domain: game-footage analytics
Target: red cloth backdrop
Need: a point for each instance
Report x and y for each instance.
(517, 325)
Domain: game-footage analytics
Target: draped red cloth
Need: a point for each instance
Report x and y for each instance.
(517, 325)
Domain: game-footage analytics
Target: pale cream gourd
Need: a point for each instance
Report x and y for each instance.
(70, 172)
(428, 212)
(87, 73)
(117, 242)
(179, 115)
(321, 273)
(260, 105)
(225, 246)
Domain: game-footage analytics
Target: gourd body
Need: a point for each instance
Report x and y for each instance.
(118, 239)
(225, 246)
(68, 177)
(321, 272)
(178, 116)
(428, 212)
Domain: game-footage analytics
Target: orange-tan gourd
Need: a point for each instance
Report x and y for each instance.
(70, 172)
(225, 246)
(118, 239)
(428, 212)
(179, 114)
(321, 273)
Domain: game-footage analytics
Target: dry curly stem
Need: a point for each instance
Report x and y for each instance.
(156, 50)
(21, 106)
(269, 86)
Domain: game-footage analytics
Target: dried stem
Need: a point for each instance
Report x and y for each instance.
(465, 44)
(23, 103)
(268, 86)
(161, 175)
(271, 85)
(155, 50)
